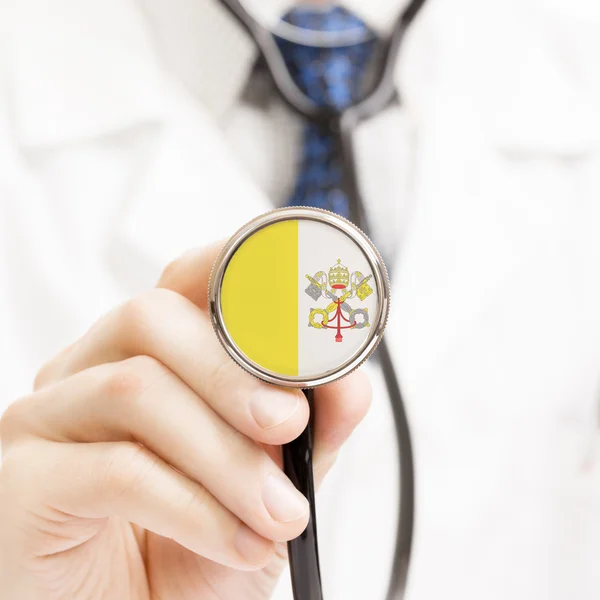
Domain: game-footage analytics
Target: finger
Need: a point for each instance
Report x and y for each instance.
(119, 480)
(166, 326)
(339, 408)
(188, 275)
(141, 400)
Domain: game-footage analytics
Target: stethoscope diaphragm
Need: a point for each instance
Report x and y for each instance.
(299, 297)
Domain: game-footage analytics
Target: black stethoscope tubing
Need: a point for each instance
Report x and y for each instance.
(297, 456)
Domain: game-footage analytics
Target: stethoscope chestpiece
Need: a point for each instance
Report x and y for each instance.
(299, 297)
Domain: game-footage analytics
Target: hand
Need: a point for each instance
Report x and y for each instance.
(146, 463)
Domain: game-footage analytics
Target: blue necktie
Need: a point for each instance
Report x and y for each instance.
(330, 77)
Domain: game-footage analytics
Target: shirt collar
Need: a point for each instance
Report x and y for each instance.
(84, 68)
(378, 14)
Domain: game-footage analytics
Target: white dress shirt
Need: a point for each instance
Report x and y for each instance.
(131, 131)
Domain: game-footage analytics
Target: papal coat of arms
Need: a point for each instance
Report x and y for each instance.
(338, 287)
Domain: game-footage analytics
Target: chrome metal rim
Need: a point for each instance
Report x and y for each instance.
(299, 213)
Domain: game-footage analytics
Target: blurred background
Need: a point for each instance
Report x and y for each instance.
(132, 130)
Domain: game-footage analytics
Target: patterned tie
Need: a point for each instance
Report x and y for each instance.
(330, 77)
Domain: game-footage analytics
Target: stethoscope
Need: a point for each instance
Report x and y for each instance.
(303, 551)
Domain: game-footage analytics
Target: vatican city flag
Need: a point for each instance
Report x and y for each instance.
(298, 298)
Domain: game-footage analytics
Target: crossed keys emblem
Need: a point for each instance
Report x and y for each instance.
(338, 287)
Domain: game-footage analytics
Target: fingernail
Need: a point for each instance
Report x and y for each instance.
(271, 408)
(283, 501)
(252, 547)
